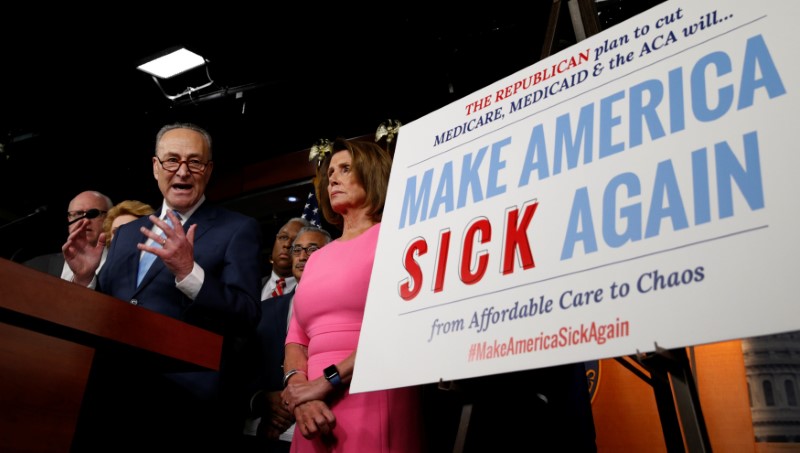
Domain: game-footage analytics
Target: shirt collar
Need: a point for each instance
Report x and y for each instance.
(275, 278)
(184, 215)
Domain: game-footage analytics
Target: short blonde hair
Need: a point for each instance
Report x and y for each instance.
(129, 207)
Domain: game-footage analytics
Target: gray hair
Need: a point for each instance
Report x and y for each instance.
(302, 220)
(108, 201)
(313, 229)
(190, 126)
(105, 198)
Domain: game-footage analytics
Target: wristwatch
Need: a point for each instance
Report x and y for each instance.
(332, 375)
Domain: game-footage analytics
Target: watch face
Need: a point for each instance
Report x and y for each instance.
(330, 372)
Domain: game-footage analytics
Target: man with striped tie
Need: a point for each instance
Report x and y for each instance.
(281, 280)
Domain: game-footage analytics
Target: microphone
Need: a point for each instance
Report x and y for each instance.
(38, 210)
(90, 214)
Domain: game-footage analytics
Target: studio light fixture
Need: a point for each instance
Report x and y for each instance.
(173, 62)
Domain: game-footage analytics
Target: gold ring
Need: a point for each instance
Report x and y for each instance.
(163, 242)
(285, 403)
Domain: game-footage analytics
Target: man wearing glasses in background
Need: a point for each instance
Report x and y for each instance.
(90, 205)
(194, 262)
(281, 281)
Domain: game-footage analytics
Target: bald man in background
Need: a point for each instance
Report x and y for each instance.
(53, 263)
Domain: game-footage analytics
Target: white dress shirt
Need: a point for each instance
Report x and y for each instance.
(266, 291)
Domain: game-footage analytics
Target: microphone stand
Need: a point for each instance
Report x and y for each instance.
(38, 210)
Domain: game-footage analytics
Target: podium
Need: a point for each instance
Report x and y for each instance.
(52, 331)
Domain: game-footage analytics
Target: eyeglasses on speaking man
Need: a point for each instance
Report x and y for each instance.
(172, 164)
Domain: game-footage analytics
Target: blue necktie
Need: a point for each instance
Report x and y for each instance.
(147, 258)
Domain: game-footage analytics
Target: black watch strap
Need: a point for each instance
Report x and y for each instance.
(332, 375)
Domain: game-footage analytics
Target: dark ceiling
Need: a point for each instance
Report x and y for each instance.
(76, 114)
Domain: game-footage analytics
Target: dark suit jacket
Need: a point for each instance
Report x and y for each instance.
(52, 263)
(271, 337)
(226, 245)
(182, 410)
(265, 357)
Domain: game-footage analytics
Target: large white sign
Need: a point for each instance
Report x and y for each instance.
(638, 188)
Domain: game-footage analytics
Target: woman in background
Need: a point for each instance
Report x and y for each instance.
(122, 213)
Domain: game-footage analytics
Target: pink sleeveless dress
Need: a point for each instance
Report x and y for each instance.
(328, 309)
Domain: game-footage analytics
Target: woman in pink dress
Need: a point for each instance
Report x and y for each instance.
(326, 319)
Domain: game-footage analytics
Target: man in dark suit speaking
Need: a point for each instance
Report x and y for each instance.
(196, 263)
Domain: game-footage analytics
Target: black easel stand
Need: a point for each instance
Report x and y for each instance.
(671, 378)
(674, 387)
(555, 387)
